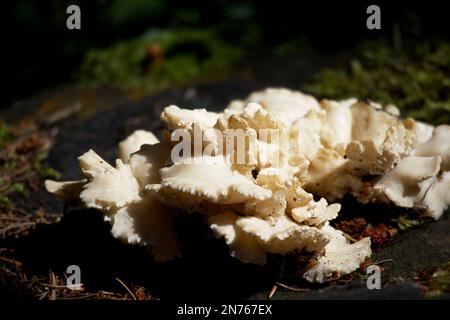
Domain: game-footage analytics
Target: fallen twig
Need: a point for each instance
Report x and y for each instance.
(86, 296)
(272, 291)
(59, 287)
(128, 289)
(383, 261)
(291, 288)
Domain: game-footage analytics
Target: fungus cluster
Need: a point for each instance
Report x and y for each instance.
(281, 198)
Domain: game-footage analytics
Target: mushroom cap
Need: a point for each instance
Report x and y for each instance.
(177, 118)
(285, 104)
(134, 142)
(112, 189)
(206, 179)
(340, 258)
(437, 145)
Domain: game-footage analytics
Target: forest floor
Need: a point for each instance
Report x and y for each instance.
(40, 237)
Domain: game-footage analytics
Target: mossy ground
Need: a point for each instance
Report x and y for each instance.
(159, 59)
(416, 79)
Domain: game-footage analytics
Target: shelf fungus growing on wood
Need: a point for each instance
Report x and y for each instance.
(267, 175)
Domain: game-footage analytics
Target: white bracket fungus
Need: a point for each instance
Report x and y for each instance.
(266, 204)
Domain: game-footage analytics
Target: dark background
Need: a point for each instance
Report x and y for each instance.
(39, 51)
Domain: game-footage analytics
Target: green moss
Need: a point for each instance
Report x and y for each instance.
(405, 223)
(19, 188)
(158, 59)
(21, 168)
(5, 134)
(120, 12)
(42, 168)
(417, 79)
(439, 282)
(5, 201)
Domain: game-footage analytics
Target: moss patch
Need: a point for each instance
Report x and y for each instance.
(439, 282)
(157, 59)
(416, 79)
(23, 151)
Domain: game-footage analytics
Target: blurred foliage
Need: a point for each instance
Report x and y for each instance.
(42, 53)
(416, 79)
(405, 222)
(188, 39)
(5, 135)
(439, 281)
(157, 59)
(118, 13)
